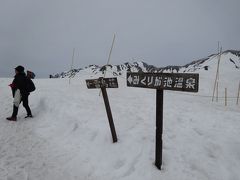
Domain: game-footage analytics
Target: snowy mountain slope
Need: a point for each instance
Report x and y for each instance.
(231, 56)
(229, 72)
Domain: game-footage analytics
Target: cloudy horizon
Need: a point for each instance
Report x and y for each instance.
(41, 35)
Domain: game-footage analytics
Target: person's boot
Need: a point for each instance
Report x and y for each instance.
(29, 116)
(15, 111)
(14, 114)
(11, 118)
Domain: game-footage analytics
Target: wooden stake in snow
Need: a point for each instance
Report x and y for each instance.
(71, 66)
(225, 96)
(217, 74)
(238, 93)
(110, 53)
(109, 57)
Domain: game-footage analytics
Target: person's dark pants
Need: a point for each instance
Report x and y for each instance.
(25, 105)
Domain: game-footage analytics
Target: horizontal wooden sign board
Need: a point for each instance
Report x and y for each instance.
(102, 83)
(166, 81)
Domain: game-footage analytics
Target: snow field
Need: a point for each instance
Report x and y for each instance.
(69, 137)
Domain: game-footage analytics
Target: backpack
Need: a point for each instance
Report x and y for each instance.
(30, 85)
(30, 74)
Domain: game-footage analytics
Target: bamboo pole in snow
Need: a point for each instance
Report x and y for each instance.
(217, 74)
(110, 53)
(109, 57)
(225, 96)
(71, 66)
(238, 93)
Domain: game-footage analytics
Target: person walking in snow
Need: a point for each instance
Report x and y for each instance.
(20, 93)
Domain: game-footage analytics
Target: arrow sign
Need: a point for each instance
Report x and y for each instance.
(130, 79)
(160, 82)
(102, 82)
(164, 81)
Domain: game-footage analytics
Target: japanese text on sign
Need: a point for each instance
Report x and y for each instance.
(102, 82)
(168, 81)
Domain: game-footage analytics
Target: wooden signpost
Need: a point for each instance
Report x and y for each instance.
(104, 83)
(162, 81)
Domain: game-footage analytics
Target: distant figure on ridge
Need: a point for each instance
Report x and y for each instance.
(21, 88)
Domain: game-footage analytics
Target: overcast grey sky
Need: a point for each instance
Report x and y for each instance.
(41, 34)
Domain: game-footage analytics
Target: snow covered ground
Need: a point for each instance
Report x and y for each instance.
(69, 137)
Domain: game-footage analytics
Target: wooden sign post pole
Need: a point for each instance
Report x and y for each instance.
(104, 83)
(162, 81)
(159, 128)
(109, 114)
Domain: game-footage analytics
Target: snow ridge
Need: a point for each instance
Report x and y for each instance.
(116, 70)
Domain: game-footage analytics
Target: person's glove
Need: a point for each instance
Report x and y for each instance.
(12, 85)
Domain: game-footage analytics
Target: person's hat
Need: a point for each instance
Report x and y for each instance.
(20, 69)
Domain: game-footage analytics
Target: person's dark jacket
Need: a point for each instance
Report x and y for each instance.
(20, 82)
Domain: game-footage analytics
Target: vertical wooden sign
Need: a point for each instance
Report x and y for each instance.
(160, 82)
(104, 83)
